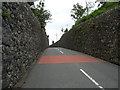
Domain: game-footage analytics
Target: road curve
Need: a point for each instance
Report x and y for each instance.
(64, 68)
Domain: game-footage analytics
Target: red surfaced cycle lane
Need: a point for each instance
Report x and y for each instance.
(68, 59)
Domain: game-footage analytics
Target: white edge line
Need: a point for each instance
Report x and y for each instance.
(91, 79)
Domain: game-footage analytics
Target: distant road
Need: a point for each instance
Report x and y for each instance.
(64, 68)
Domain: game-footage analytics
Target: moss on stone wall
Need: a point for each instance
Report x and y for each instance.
(5, 14)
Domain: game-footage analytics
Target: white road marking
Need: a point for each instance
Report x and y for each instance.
(61, 52)
(92, 79)
(57, 48)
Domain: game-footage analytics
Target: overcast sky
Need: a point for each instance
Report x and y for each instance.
(61, 11)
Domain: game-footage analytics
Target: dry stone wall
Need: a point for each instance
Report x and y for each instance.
(97, 37)
(23, 41)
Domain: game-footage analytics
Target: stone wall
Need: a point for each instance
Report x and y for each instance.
(97, 37)
(23, 41)
(0, 44)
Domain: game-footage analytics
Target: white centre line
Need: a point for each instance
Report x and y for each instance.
(92, 79)
(57, 49)
(61, 52)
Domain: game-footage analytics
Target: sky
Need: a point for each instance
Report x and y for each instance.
(61, 11)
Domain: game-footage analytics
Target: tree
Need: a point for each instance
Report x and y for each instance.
(100, 3)
(47, 36)
(77, 11)
(62, 30)
(42, 14)
(89, 5)
(30, 3)
(66, 30)
(52, 42)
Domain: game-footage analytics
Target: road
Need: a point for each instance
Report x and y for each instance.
(64, 68)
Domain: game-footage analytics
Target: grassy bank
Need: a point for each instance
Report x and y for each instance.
(106, 7)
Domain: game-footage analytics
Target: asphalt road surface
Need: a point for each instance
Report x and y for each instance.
(64, 68)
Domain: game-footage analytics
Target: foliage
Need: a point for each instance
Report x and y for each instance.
(5, 14)
(66, 30)
(30, 3)
(77, 11)
(89, 5)
(52, 42)
(42, 14)
(105, 7)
